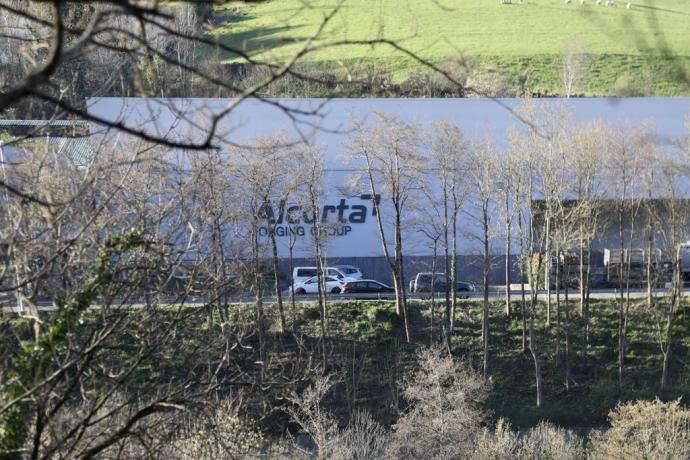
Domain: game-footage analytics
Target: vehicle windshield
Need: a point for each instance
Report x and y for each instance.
(427, 278)
(348, 270)
(315, 279)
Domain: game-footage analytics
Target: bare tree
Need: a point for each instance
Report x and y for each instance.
(267, 163)
(433, 230)
(67, 381)
(448, 153)
(588, 144)
(444, 413)
(524, 146)
(520, 182)
(553, 179)
(312, 161)
(391, 167)
(674, 209)
(624, 164)
(449, 149)
(251, 199)
(505, 187)
(574, 67)
(363, 438)
(482, 174)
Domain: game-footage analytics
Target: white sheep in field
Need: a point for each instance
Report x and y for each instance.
(598, 2)
(582, 2)
(568, 2)
(629, 5)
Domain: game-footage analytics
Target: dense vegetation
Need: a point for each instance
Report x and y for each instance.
(368, 359)
(369, 325)
(369, 366)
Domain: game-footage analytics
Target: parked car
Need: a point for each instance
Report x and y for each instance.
(300, 274)
(311, 285)
(350, 271)
(422, 283)
(366, 287)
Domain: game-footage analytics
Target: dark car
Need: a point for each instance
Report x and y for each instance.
(366, 287)
(422, 283)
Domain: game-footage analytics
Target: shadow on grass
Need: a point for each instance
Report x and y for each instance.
(260, 40)
(656, 8)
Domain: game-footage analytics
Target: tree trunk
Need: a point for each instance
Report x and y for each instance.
(446, 261)
(276, 280)
(534, 350)
(454, 269)
(581, 261)
(621, 302)
(220, 296)
(628, 270)
(507, 267)
(547, 270)
(566, 311)
(650, 248)
(259, 297)
(588, 281)
(675, 301)
(485, 311)
(316, 231)
(558, 305)
(433, 297)
(522, 312)
(402, 297)
(522, 284)
(293, 305)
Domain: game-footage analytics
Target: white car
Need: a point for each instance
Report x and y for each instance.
(311, 286)
(347, 273)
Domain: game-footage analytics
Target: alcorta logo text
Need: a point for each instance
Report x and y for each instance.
(344, 212)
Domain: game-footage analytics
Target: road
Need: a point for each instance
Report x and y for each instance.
(10, 305)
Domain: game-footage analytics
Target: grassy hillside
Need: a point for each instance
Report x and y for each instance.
(368, 358)
(374, 328)
(626, 47)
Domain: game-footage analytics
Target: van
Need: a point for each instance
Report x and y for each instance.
(300, 274)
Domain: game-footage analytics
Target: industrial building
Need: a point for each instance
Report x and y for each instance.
(355, 240)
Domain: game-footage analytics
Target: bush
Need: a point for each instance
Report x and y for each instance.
(445, 412)
(222, 435)
(545, 441)
(645, 429)
(502, 443)
(362, 439)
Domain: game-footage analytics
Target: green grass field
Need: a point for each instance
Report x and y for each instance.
(521, 38)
